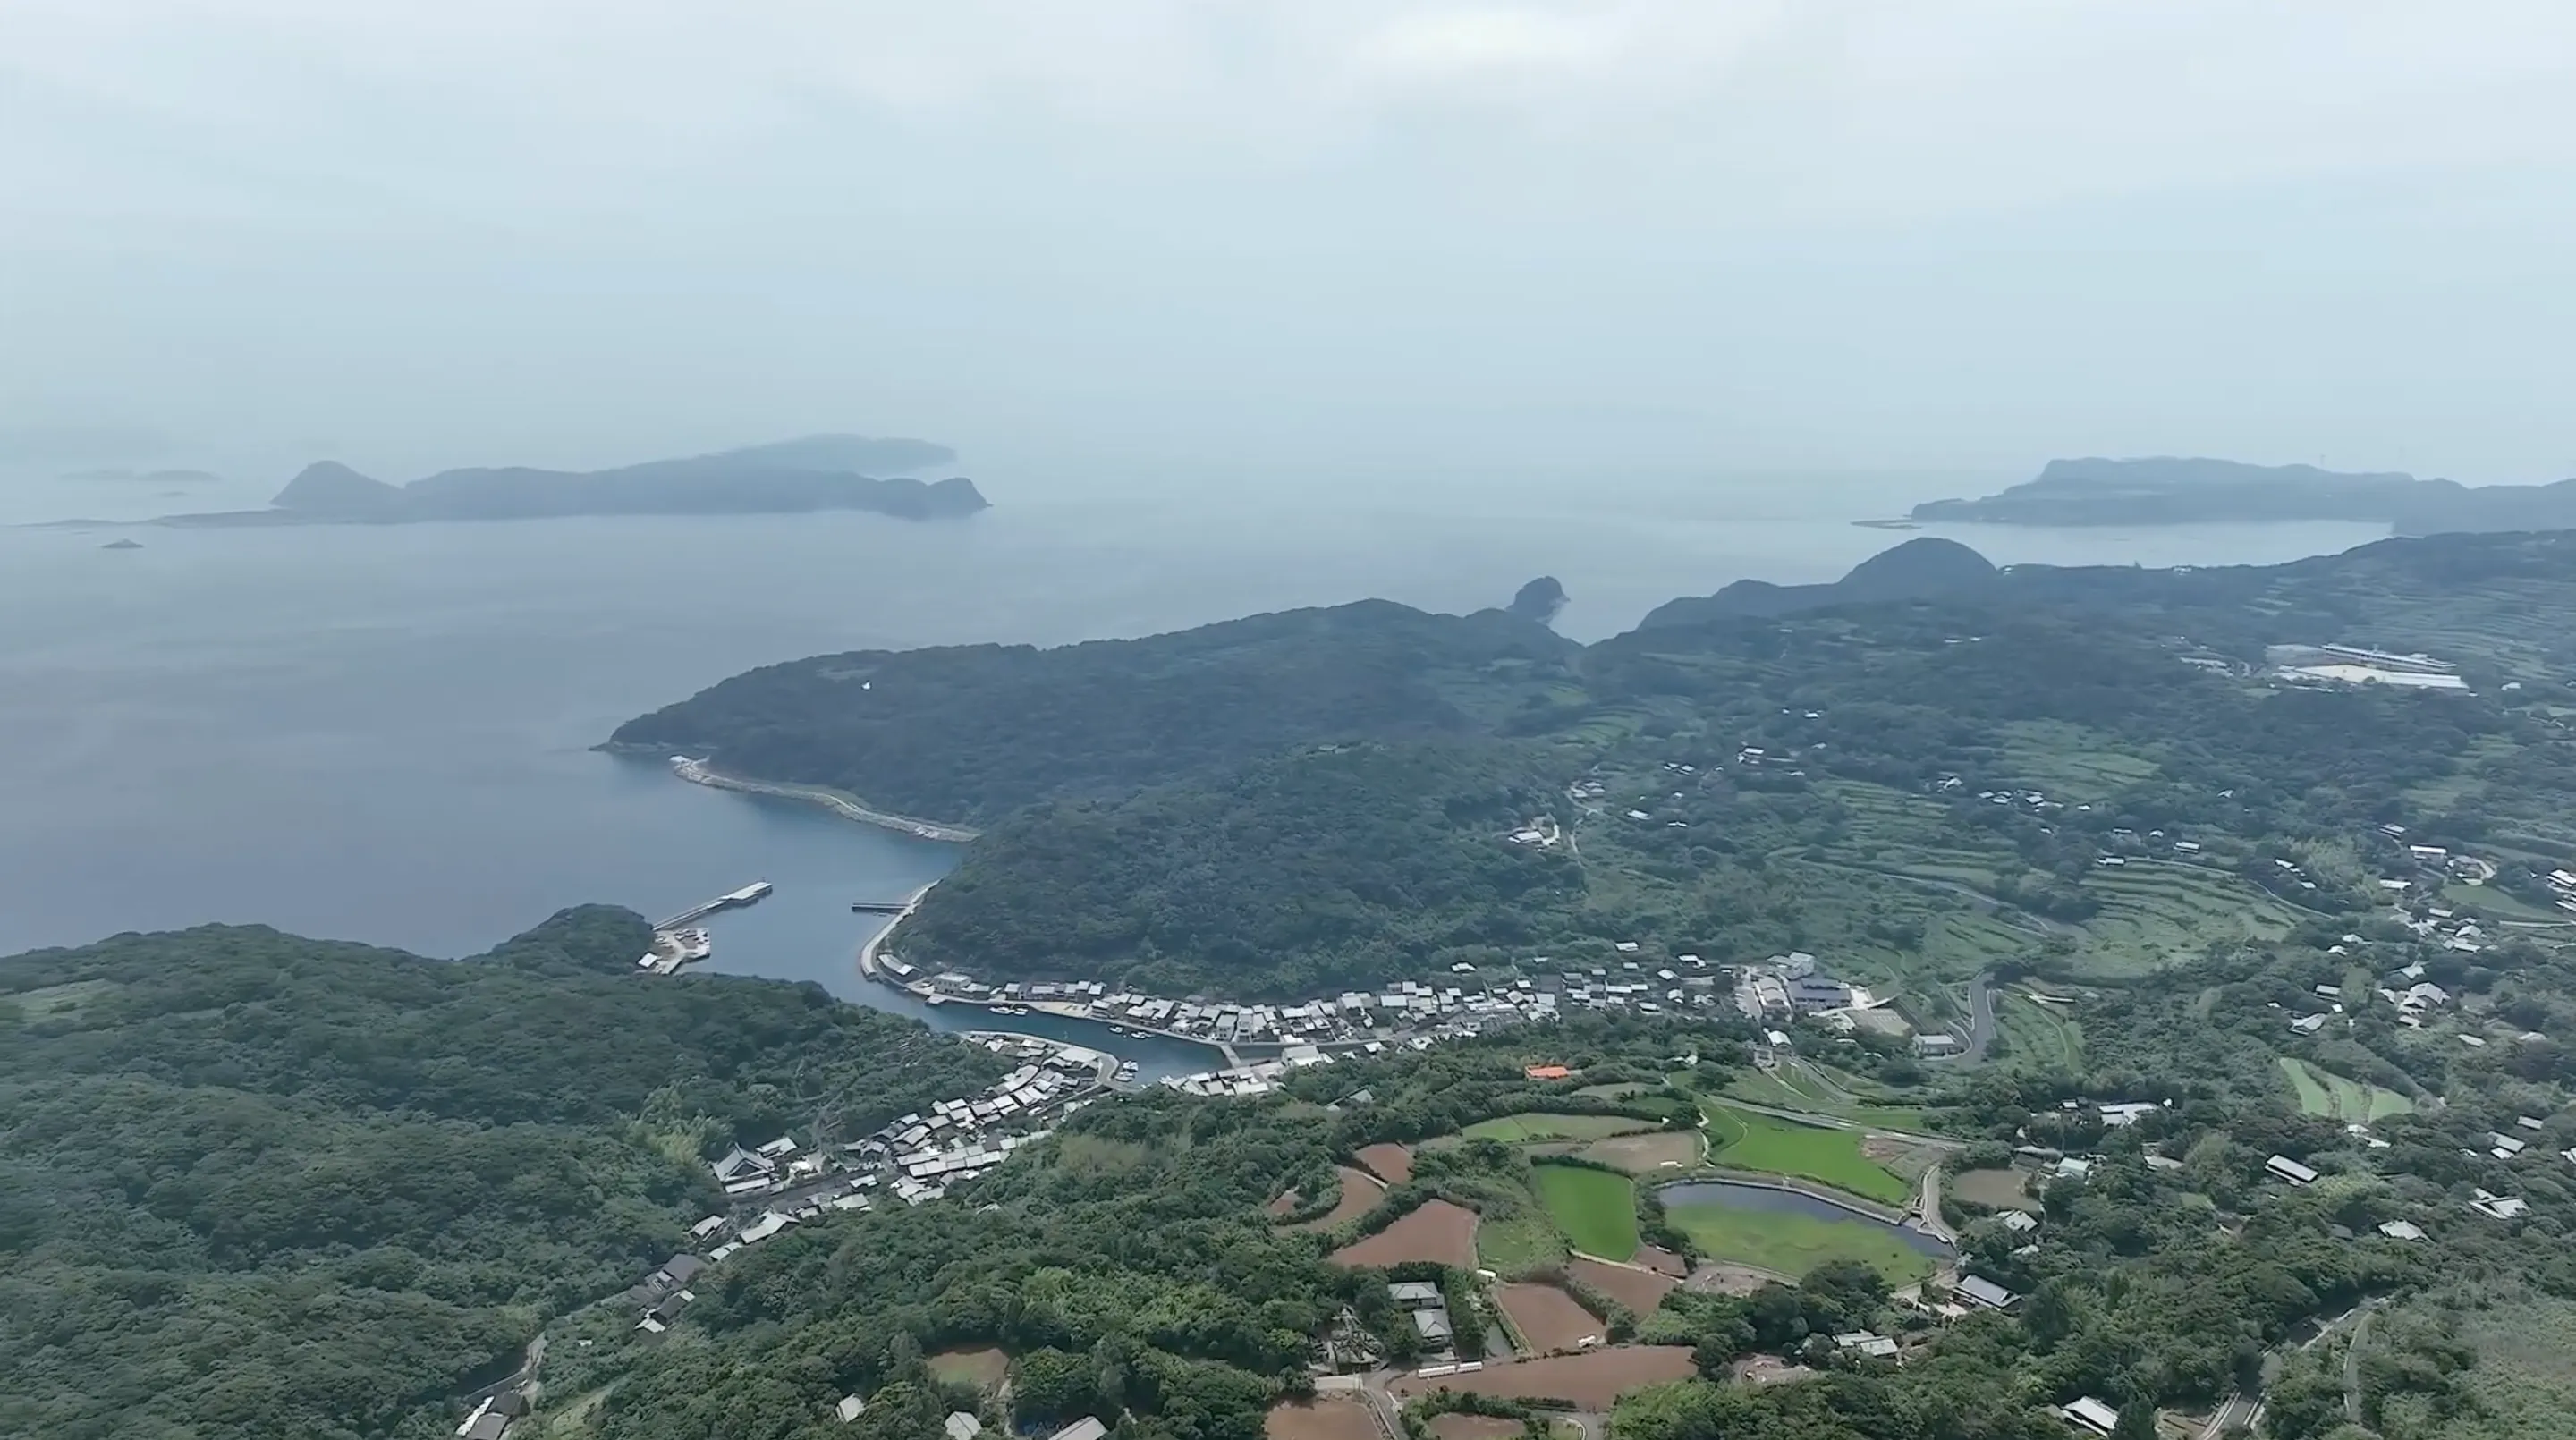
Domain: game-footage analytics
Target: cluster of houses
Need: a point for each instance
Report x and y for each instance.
(1429, 1310)
(960, 1424)
(2340, 665)
(494, 1415)
(2562, 885)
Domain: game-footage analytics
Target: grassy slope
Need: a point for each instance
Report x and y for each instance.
(1512, 1129)
(2322, 1092)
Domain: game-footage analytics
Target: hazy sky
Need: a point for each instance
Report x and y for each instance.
(1734, 233)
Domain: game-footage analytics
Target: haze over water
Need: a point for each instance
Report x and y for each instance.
(382, 734)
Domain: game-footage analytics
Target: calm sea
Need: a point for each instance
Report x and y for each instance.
(383, 734)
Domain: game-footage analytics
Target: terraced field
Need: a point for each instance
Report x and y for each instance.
(2069, 763)
(1796, 1089)
(2157, 912)
(2039, 1037)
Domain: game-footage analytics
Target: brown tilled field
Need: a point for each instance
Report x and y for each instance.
(1359, 1192)
(1592, 1380)
(1393, 1163)
(1639, 1290)
(1549, 1318)
(1475, 1427)
(1645, 1154)
(1997, 1189)
(1326, 1417)
(1438, 1231)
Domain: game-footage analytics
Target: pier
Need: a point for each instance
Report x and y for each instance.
(751, 894)
(879, 907)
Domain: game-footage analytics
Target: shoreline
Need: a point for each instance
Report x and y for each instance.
(699, 772)
(868, 971)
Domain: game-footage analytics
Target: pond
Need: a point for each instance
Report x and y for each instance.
(1736, 1195)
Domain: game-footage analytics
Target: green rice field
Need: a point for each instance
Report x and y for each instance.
(1795, 1244)
(1596, 1210)
(1745, 1140)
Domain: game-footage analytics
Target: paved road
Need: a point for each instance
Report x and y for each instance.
(1981, 1018)
(1927, 1205)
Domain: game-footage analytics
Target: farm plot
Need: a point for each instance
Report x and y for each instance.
(1391, 1162)
(2157, 912)
(1326, 1417)
(1647, 1153)
(1456, 1426)
(1745, 1140)
(1792, 1244)
(1994, 1189)
(1799, 1087)
(2323, 1092)
(2037, 1036)
(1639, 1290)
(1439, 1231)
(1593, 1380)
(1517, 1129)
(1359, 1192)
(1595, 1210)
(1548, 1318)
(983, 1368)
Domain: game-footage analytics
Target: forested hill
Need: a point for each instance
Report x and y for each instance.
(971, 733)
(1297, 875)
(255, 1185)
(1296, 803)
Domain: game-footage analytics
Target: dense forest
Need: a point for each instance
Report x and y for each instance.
(971, 733)
(254, 1185)
(1298, 875)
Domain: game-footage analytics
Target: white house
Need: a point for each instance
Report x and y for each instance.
(2282, 1167)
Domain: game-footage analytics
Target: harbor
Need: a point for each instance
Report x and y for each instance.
(681, 941)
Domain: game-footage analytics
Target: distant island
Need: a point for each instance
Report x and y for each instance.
(818, 472)
(123, 475)
(2165, 490)
(122, 545)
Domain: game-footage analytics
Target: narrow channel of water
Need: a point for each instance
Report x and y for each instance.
(1739, 1196)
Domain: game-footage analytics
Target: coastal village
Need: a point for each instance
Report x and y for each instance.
(917, 1158)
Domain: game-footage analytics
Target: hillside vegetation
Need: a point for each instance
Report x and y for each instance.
(254, 1185)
